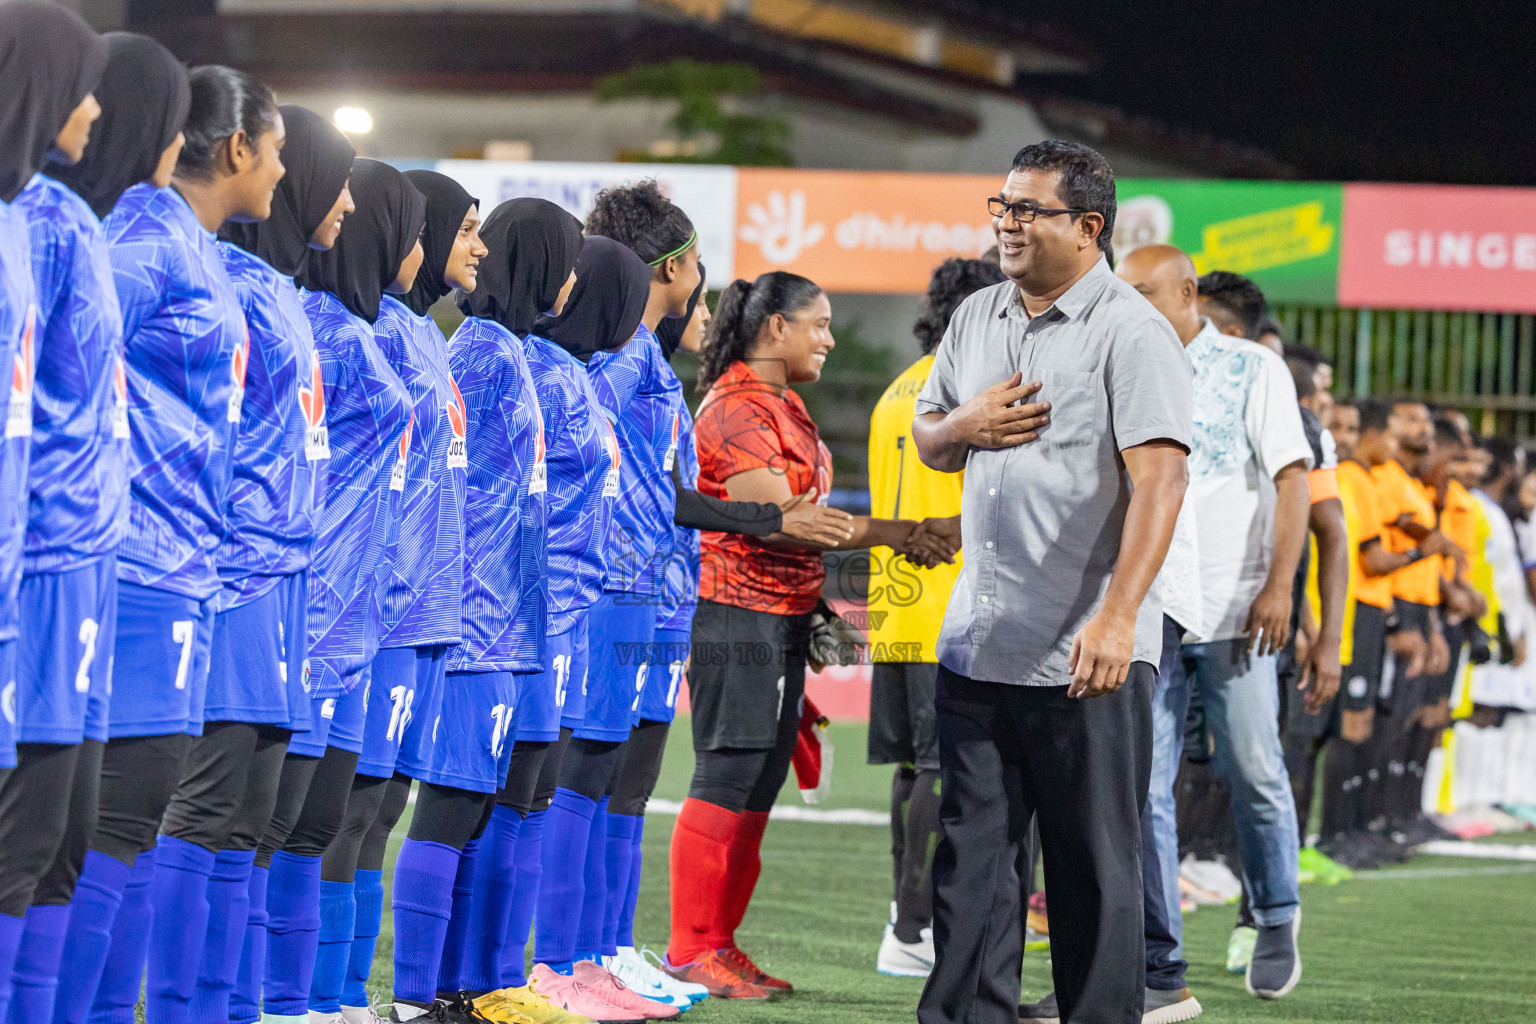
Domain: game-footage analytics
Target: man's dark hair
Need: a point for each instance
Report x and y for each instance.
(1501, 455)
(1237, 298)
(1269, 325)
(1303, 363)
(1375, 414)
(1087, 183)
(1448, 431)
(947, 288)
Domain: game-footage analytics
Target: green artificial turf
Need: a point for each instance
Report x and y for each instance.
(1438, 940)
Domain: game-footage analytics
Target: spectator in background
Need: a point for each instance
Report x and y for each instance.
(905, 610)
(1271, 335)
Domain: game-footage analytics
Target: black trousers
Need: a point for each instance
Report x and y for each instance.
(1081, 768)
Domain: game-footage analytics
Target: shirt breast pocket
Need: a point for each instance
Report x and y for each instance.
(1074, 398)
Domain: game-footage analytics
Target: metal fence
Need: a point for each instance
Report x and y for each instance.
(1484, 363)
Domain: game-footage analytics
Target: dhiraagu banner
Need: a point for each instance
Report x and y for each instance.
(1284, 235)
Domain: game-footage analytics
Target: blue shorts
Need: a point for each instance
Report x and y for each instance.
(8, 704)
(666, 657)
(621, 630)
(557, 696)
(160, 662)
(404, 700)
(335, 721)
(63, 656)
(471, 739)
(254, 673)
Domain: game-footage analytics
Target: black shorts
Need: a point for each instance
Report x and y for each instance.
(746, 667)
(1439, 687)
(1362, 676)
(903, 722)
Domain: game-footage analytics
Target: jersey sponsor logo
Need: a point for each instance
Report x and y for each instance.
(538, 481)
(237, 367)
(611, 481)
(120, 400)
(458, 448)
(18, 422)
(397, 475)
(671, 457)
(317, 436)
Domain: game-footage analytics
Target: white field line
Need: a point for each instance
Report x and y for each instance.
(1481, 851)
(1408, 874)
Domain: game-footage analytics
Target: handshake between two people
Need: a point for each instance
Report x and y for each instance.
(927, 543)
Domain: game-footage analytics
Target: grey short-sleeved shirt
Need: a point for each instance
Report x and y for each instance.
(1042, 522)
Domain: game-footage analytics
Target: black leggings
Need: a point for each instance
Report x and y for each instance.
(366, 798)
(450, 816)
(397, 793)
(589, 766)
(34, 811)
(527, 764)
(138, 777)
(549, 771)
(740, 780)
(293, 781)
(229, 778)
(635, 781)
(57, 886)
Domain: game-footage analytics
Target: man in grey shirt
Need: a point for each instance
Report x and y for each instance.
(1048, 650)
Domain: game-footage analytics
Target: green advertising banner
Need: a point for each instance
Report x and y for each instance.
(1284, 235)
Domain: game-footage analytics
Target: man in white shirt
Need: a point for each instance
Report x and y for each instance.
(1248, 486)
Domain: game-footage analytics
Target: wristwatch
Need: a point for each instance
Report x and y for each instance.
(1414, 555)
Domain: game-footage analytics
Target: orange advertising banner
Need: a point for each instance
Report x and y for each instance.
(860, 231)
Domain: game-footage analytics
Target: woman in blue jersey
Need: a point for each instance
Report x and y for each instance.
(254, 696)
(421, 617)
(49, 63)
(368, 423)
(78, 471)
(185, 345)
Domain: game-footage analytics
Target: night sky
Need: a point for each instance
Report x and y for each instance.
(1369, 90)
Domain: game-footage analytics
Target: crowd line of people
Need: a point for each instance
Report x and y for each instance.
(274, 551)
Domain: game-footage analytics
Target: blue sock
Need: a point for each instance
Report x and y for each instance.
(567, 835)
(485, 942)
(293, 929)
(594, 896)
(621, 855)
(98, 895)
(229, 907)
(179, 895)
(626, 932)
(368, 895)
(10, 945)
(122, 974)
(423, 903)
(527, 872)
(338, 917)
(245, 1000)
(35, 978)
(451, 965)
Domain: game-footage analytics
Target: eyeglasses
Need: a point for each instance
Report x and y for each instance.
(1026, 210)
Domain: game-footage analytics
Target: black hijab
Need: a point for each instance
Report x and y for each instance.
(669, 333)
(533, 248)
(144, 96)
(612, 288)
(319, 160)
(374, 241)
(49, 61)
(447, 203)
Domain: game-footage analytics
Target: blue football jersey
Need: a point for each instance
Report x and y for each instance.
(506, 593)
(426, 589)
(368, 418)
(583, 479)
(18, 333)
(185, 348)
(77, 477)
(639, 393)
(271, 514)
(680, 553)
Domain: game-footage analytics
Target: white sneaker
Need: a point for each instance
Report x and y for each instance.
(1213, 876)
(636, 972)
(361, 1015)
(905, 959)
(694, 993)
(317, 1017)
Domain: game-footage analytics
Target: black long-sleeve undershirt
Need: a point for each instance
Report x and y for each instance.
(697, 511)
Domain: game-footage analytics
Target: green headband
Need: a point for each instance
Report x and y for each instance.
(659, 260)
